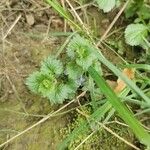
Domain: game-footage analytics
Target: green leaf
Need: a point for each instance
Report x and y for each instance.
(81, 50)
(72, 86)
(144, 12)
(32, 83)
(85, 62)
(133, 7)
(123, 111)
(97, 67)
(137, 7)
(59, 8)
(40, 83)
(74, 71)
(63, 12)
(75, 44)
(51, 66)
(106, 5)
(59, 94)
(62, 92)
(135, 33)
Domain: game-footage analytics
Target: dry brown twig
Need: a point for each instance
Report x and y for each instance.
(113, 22)
(65, 22)
(78, 17)
(16, 93)
(11, 27)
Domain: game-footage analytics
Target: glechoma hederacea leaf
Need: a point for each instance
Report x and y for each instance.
(135, 33)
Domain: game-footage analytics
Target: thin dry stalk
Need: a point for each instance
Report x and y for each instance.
(84, 6)
(85, 140)
(4, 20)
(117, 136)
(113, 22)
(78, 17)
(110, 131)
(42, 120)
(48, 29)
(65, 22)
(11, 27)
(16, 93)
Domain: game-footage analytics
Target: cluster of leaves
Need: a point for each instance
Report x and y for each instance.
(47, 82)
(57, 81)
(138, 32)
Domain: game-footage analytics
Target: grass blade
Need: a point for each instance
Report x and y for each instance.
(138, 66)
(64, 13)
(117, 72)
(123, 111)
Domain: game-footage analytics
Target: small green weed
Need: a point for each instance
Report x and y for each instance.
(81, 54)
(60, 80)
(136, 33)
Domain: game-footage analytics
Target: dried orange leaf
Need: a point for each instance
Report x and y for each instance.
(120, 83)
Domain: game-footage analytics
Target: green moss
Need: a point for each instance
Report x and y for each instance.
(100, 139)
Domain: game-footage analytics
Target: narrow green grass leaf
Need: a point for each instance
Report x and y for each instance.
(138, 66)
(59, 8)
(137, 102)
(117, 72)
(64, 13)
(123, 111)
